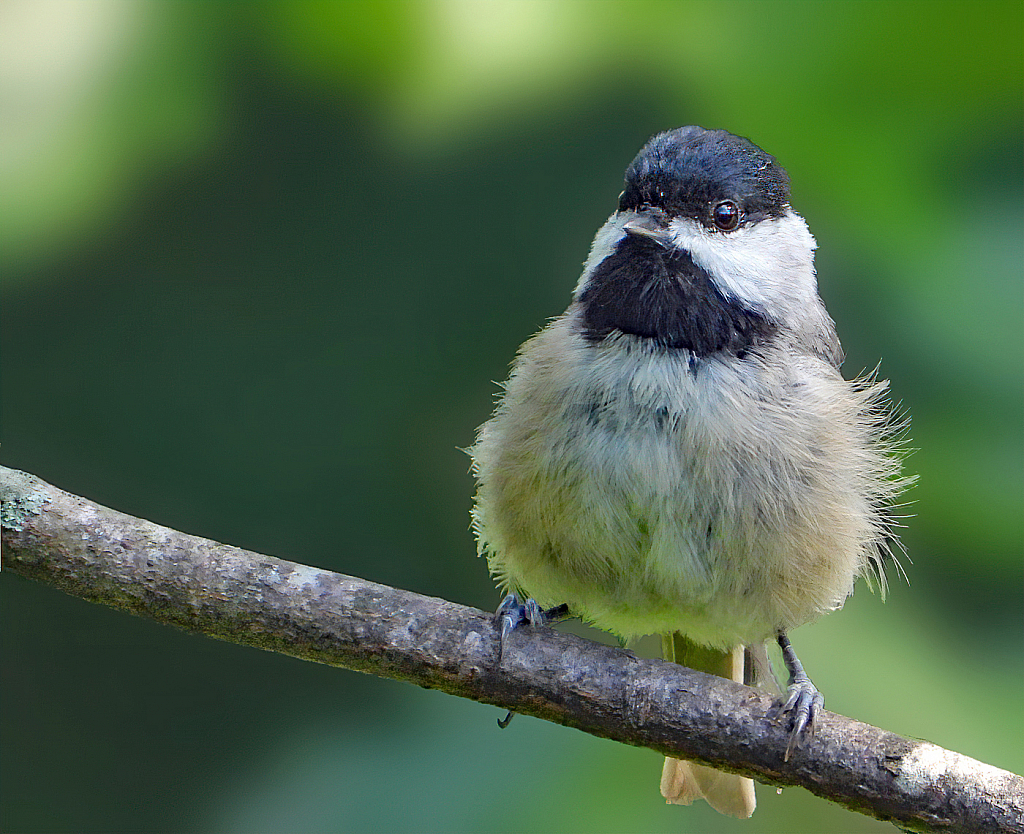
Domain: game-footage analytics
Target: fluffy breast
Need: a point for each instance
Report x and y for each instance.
(654, 492)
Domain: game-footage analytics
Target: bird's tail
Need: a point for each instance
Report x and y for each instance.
(682, 781)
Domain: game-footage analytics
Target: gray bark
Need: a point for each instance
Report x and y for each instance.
(232, 594)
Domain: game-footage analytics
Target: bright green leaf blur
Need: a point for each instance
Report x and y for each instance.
(260, 264)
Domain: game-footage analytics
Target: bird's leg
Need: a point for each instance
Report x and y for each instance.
(511, 614)
(803, 700)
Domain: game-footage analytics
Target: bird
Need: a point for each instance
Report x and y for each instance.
(678, 453)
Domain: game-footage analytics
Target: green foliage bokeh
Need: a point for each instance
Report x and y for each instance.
(260, 265)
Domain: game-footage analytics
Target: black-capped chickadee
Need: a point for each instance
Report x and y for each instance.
(677, 453)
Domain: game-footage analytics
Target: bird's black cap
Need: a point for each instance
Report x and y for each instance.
(689, 170)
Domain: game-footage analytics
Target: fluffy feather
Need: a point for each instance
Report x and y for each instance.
(728, 494)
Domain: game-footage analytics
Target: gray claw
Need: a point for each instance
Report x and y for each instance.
(510, 615)
(803, 700)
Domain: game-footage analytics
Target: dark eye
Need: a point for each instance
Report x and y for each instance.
(726, 215)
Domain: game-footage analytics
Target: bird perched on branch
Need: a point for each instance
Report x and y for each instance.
(677, 453)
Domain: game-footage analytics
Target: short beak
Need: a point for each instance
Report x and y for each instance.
(650, 226)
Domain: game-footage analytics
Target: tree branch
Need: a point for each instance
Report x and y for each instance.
(199, 585)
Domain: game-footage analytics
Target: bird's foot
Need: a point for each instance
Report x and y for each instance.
(802, 704)
(511, 614)
(803, 700)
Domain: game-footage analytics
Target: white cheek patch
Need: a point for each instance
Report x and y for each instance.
(769, 265)
(605, 241)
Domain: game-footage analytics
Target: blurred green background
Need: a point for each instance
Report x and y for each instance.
(261, 263)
